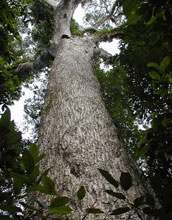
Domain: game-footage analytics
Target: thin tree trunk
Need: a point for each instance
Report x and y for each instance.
(78, 136)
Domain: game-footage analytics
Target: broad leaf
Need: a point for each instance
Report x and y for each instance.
(13, 136)
(125, 181)
(164, 63)
(5, 120)
(94, 211)
(154, 65)
(28, 161)
(138, 201)
(108, 177)
(81, 193)
(41, 189)
(114, 194)
(60, 201)
(120, 211)
(35, 173)
(133, 18)
(33, 150)
(154, 75)
(48, 183)
(43, 174)
(39, 158)
(128, 6)
(24, 179)
(152, 20)
(61, 210)
(17, 185)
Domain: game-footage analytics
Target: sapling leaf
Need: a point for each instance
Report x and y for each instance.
(81, 193)
(116, 195)
(28, 161)
(94, 211)
(59, 201)
(125, 181)
(120, 211)
(108, 177)
(61, 210)
(139, 201)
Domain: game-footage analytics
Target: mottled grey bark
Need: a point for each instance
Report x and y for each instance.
(76, 133)
(41, 62)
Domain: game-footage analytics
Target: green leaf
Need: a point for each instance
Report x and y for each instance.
(17, 185)
(125, 181)
(133, 18)
(13, 136)
(138, 201)
(28, 161)
(128, 6)
(33, 150)
(39, 158)
(61, 210)
(94, 211)
(81, 193)
(120, 211)
(154, 75)
(24, 179)
(5, 121)
(43, 174)
(41, 189)
(114, 194)
(108, 177)
(152, 20)
(60, 201)
(48, 183)
(164, 63)
(35, 173)
(154, 65)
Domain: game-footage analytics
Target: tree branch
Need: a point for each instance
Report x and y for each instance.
(102, 53)
(107, 36)
(52, 3)
(107, 57)
(102, 21)
(41, 62)
(89, 30)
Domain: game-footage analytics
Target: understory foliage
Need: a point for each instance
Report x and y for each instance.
(146, 56)
(9, 53)
(137, 91)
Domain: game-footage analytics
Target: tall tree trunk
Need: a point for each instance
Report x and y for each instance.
(78, 136)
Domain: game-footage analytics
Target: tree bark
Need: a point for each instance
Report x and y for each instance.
(78, 136)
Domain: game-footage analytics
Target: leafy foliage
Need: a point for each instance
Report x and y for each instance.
(42, 21)
(146, 57)
(74, 27)
(9, 53)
